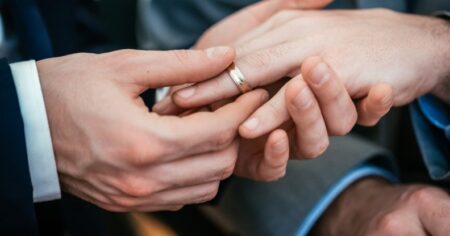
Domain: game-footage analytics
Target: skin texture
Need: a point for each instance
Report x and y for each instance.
(111, 151)
(386, 65)
(393, 210)
(377, 71)
(264, 158)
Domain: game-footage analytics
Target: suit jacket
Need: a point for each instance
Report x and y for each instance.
(72, 26)
(16, 198)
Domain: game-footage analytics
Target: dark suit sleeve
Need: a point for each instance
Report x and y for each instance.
(16, 198)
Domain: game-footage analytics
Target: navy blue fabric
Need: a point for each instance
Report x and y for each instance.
(45, 28)
(434, 146)
(16, 198)
(34, 40)
(60, 21)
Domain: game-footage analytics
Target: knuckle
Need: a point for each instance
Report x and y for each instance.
(134, 187)
(422, 195)
(258, 60)
(274, 110)
(315, 151)
(182, 57)
(224, 139)
(137, 152)
(390, 224)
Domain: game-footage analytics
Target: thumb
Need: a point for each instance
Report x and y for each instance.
(142, 70)
(237, 24)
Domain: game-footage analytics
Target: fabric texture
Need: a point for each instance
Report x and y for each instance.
(16, 198)
(41, 160)
(281, 207)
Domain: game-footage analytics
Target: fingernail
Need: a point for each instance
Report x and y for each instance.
(280, 147)
(320, 74)
(303, 99)
(251, 123)
(186, 92)
(217, 52)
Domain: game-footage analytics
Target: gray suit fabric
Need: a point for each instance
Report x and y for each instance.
(279, 208)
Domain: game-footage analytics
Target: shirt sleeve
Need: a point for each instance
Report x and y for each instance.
(41, 159)
(430, 119)
(436, 112)
(357, 173)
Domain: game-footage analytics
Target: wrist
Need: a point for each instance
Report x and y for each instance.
(441, 33)
(350, 208)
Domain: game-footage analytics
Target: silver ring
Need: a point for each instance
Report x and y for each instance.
(238, 78)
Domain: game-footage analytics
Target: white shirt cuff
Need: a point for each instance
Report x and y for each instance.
(41, 159)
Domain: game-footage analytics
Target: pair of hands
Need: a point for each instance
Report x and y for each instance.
(111, 151)
(370, 60)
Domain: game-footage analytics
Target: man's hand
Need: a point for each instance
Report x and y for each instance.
(374, 207)
(358, 44)
(110, 150)
(378, 57)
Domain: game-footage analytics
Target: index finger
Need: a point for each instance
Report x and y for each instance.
(210, 131)
(259, 68)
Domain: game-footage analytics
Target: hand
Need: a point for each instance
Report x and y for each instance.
(374, 207)
(382, 40)
(264, 159)
(282, 44)
(110, 150)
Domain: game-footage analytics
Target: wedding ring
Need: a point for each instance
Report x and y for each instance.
(238, 78)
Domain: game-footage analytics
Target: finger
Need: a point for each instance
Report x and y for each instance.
(228, 30)
(434, 213)
(196, 170)
(378, 102)
(266, 118)
(152, 69)
(276, 156)
(180, 196)
(260, 68)
(208, 131)
(311, 134)
(338, 109)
